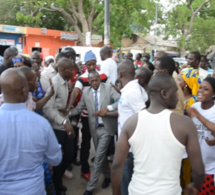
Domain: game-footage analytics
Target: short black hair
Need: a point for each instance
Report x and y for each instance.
(167, 63)
(93, 72)
(211, 81)
(158, 82)
(197, 55)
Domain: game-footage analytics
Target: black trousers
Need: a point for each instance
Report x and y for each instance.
(67, 146)
(85, 145)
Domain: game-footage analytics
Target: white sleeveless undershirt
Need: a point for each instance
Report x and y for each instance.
(157, 156)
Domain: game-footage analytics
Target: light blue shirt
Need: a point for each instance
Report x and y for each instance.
(210, 71)
(26, 140)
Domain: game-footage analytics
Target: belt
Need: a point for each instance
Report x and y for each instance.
(100, 125)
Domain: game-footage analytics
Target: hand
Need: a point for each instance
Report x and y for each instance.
(69, 129)
(210, 142)
(192, 112)
(191, 190)
(64, 112)
(116, 88)
(101, 112)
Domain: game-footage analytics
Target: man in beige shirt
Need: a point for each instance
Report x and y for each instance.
(60, 123)
(167, 65)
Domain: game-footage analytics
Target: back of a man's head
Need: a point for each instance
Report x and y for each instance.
(105, 52)
(9, 53)
(126, 69)
(14, 86)
(163, 89)
(160, 54)
(143, 75)
(167, 63)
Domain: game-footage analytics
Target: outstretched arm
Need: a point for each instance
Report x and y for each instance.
(194, 113)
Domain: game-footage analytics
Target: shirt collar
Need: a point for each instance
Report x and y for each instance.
(62, 81)
(13, 106)
(127, 86)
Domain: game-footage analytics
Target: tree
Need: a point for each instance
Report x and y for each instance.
(180, 20)
(84, 16)
(8, 11)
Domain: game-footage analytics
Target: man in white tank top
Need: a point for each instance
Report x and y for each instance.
(158, 138)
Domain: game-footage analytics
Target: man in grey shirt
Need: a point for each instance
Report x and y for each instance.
(60, 123)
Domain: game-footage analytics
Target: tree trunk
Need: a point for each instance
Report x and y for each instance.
(182, 52)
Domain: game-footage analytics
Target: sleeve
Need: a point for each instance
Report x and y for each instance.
(50, 113)
(115, 96)
(45, 83)
(78, 109)
(53, 154)
(136, 102)
(79, 84)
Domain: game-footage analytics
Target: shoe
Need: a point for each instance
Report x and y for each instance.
(61, 190)
(68, 174)
(77, 162)
(106, 183)
(88, 192)
(86, 176)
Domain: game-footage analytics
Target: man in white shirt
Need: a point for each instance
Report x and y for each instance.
(108, 64)
(132, 100)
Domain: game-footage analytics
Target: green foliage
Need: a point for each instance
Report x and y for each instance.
(202, 35)
(202, 32)
(123, 13)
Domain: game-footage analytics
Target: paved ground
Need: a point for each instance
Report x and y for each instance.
(77, 185)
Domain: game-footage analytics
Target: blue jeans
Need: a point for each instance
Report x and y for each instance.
(127, 174)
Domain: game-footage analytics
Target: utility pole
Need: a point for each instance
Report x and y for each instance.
(107, 23)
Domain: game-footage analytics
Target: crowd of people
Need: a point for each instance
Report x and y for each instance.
(156, 118)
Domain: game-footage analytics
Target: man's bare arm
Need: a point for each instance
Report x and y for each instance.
(121, 153)
(120, 157)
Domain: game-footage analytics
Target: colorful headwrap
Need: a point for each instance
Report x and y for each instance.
(191, 78)
(22, 59)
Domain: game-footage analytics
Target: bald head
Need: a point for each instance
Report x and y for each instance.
(28, 72)
(126, 68)
(162, 90)
(9, 54)
(143, 75)
(31, 77)
(159, 54)
(14, 86)
(65, 63)
(128, 56)
(66, 67)
(105, 52)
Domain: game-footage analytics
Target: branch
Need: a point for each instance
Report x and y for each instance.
(92, 15)
(80, 6)
(73, 10)
(193, 17)
(189, 4)
(62, 11)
